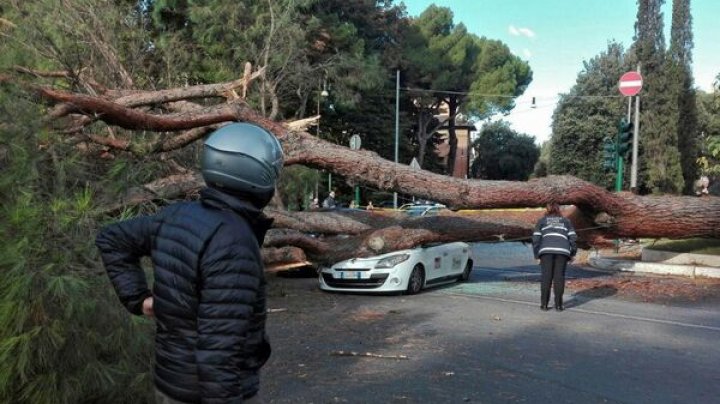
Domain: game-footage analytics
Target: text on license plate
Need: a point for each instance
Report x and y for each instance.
(349, 275)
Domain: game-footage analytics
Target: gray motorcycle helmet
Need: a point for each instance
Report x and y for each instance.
(243, 159)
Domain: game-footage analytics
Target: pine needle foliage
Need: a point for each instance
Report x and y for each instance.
(63, 336)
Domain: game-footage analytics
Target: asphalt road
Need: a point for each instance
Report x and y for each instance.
(486, 341)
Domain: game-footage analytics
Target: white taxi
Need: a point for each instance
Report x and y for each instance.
(406, 271)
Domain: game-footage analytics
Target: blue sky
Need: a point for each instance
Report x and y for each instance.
(556, 36)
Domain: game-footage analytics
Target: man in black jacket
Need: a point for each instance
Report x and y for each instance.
(208, 296)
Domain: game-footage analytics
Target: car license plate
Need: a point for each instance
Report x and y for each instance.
(350, 275)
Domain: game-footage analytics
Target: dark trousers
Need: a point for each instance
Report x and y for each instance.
(553, 271)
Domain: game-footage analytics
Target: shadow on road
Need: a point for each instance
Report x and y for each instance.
(527, 273)
(583, 296)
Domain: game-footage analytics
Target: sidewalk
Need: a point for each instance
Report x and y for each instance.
(692, 270)
(627, 259)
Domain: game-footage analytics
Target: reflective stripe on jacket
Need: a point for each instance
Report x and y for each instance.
(554, 235)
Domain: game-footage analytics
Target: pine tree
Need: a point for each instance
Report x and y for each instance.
(681, 44)
(63, 336)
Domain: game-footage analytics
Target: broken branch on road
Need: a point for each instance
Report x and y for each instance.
(369, 355)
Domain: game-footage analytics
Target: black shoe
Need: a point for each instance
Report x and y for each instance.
(544, 307)
(559, 307)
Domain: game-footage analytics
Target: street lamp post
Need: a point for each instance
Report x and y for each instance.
(322, 93)
(397, 128)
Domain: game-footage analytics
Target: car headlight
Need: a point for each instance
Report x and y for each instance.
(391, 261)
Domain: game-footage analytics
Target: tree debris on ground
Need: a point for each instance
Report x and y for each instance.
(369, 355)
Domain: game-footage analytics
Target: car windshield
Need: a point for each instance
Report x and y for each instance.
(415, 210)
(432, 211)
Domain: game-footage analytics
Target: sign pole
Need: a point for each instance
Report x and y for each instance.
(397, 128)
(355, 142)
(636, 134)
(620, 170)
(636, 137)
(629, 108)
(630, 85)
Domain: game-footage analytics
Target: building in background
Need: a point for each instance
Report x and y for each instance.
(463, 131)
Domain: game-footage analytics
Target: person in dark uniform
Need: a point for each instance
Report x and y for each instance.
(554, 243)
(208, 298)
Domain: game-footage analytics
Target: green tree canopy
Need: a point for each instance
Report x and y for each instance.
(709, 127)
(483, 71)
(304, 46)
(467, 73)
(503, 154)
(586, 115)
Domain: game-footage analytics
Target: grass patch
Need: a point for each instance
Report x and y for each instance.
(693, 245)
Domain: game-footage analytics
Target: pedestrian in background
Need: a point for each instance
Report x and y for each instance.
(315, 204)
(554, 243)
(208, 298)
(329, 202)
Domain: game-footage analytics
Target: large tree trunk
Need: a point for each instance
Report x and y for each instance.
(600, 213)
(452, 136)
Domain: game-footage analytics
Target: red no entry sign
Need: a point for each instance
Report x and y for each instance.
(630, 84)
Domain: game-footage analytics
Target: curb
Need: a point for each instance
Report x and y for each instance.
(667, 257)
(654, 268)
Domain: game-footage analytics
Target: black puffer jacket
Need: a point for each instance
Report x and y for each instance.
(209, 293)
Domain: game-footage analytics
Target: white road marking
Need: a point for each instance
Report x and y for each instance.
(602, 313)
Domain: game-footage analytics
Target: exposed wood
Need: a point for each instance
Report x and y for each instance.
(283, 257)
(110, 142)
(303, 124)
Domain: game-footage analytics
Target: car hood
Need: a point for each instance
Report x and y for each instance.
(373, 259)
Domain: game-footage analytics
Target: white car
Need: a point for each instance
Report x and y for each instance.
(414, 210)
(401, 271)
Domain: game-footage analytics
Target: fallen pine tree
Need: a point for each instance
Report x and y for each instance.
(333, 235)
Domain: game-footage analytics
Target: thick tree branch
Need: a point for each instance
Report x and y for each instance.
(129, 118)
(184, 93)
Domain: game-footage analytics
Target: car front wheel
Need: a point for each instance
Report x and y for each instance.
(415, 283)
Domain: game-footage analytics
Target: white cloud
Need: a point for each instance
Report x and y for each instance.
(515, 31)
(527, 32)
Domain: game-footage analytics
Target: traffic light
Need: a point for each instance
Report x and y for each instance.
(609, 156)
(625, 135)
